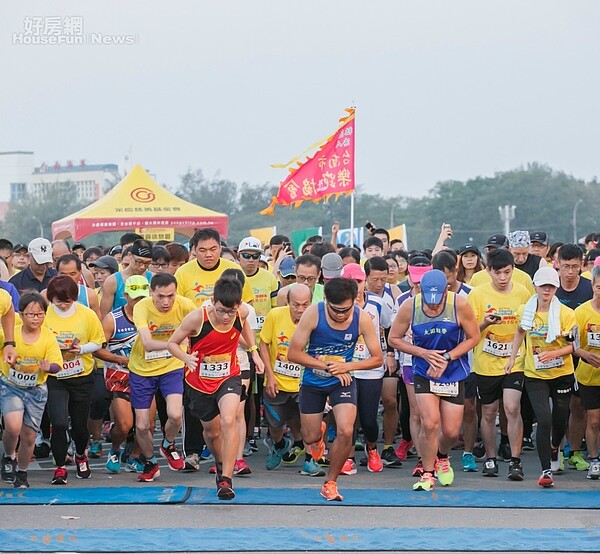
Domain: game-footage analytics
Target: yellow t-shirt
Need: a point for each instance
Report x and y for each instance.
(26, 372)
(277, 332)
(536, 342)
(161, 326)
(495, 347)
(264, 287)
(588, 321)
(197, 284)
(518, 276)
(82, 325)
(5, 306)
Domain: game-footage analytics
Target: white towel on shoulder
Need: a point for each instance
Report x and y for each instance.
(553, 317)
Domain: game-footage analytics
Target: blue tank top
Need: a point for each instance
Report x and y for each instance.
(441, 332)
(82, 298)
(326, 341)
(124, 334)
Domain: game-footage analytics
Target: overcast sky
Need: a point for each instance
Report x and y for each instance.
(443, 89)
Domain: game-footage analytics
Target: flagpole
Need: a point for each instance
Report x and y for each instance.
(352, 220)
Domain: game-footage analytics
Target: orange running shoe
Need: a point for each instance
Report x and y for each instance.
(317, 449)
(374, 463)
(329, 491)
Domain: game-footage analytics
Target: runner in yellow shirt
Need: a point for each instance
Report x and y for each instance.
(23, 390)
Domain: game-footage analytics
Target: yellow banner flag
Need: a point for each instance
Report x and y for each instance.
(264, 234)
(398, 232)
(156, 233)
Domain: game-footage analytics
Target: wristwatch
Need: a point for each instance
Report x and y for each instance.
(447, 357)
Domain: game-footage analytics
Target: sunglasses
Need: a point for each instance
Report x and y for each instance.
(248, 256)
(137, 287)
(339, 310)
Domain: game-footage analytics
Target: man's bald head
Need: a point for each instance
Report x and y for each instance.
(299, 298)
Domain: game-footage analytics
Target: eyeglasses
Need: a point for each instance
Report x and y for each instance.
(140, 262)
(34, 315)
(339, 310)
(303, 279)
(136, 287)
(156, 264)
(248, 256)
(223, 312)
(569, 267)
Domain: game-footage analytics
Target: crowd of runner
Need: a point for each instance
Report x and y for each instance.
(309, 350)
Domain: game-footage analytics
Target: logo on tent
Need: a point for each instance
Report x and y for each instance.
(142, 194)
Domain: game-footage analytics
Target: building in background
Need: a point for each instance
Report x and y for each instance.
(19, 176)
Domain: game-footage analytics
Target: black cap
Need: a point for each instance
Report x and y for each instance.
(115, 250)
(419, 261)
(78, 245)
(497, 241)
(469, 248)
(106, 262)
(539, 236)
(20, 246)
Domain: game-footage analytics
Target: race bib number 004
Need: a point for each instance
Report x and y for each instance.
(71, 368)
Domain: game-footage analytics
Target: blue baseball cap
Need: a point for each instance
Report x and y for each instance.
(287, 267)
(433, 286)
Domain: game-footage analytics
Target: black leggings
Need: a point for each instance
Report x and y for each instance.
(552, 424)
(404, 411)
(368, 395)
(69, 398)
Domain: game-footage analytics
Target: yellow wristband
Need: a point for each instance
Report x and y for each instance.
(252, 349)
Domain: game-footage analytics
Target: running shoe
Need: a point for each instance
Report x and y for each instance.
(292, 455)
(390, 458)
(329, 491)
(359, 446)
(528, 444)
(225, 489)
(83, 467)
(504, 452)
(349, 467)
(374, 463)
(578, 462)
(468, 462)
(9, 469)
(60, 476)
(275, 456)
(150, 472)
(247, 449)
(557, 461)
(173, 457)
(444, 471)
(490, 468)
(213, 470)
(41, 450)
(191, 462)
(312, 469)
(253, 443)
(21, 480)
(418, 469)
(317, 449)
(134, 465)
(425, 483)
(546, 480)
(241, 468)
(206, 455)
(113, 463)
(403, 448)
(126, 452)
(95, 449)
(479, 452)
(594, 470)
(515, 471)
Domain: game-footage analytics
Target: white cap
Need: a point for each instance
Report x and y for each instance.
(250, 243)
(41, 250)
(546, 276)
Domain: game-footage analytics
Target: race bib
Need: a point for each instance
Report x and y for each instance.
(593, 338)
(444, 389)
(361, 352)
(157, 355)
(538, 365)
(498, 345)
(216, 366)
(21, 378)
(327, 358)
(288, 369)
(71, 368)
(260, 321)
